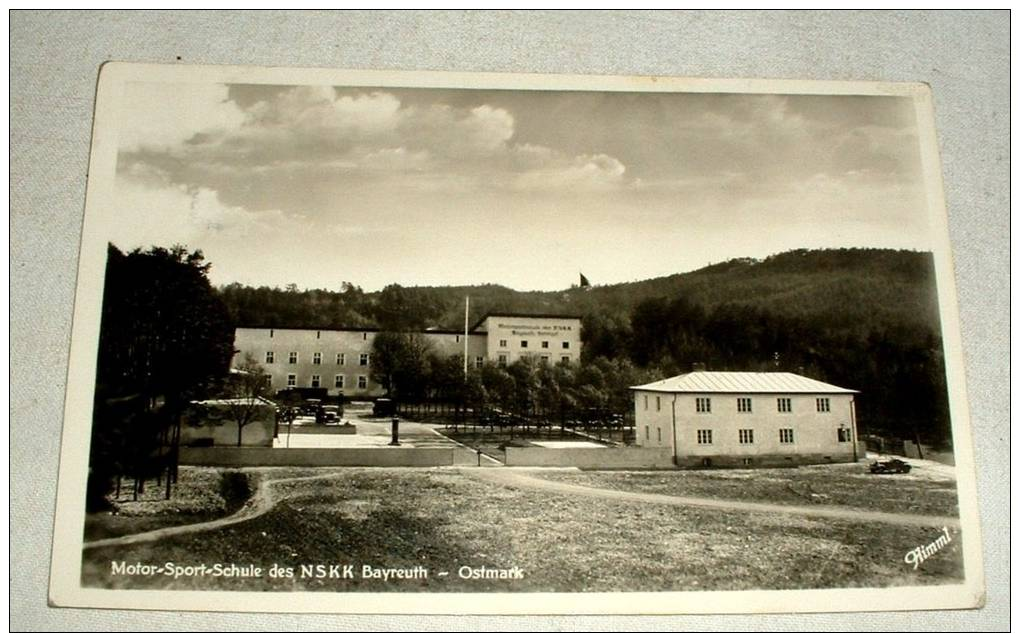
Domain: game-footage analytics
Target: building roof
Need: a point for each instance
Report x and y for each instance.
(226, 402)
(524, 315)
(741, 382)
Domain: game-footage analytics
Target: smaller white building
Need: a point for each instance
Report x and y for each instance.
(722, 418)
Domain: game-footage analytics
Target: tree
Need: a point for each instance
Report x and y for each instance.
(248, 386)
(165, 338)
(400, 309)
(400, 364)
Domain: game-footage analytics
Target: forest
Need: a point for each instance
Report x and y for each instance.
(865, 319)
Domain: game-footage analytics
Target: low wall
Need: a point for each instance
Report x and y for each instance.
(257, 433)
(591, 458)
(317, 429)
(764, 459)
(234, 456)
(926, 452)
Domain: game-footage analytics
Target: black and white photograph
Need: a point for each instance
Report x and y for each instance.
(566, 344)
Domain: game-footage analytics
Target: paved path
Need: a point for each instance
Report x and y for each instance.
(519, 479)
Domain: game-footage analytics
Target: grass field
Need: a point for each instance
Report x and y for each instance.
(445, 518)
(832, 484)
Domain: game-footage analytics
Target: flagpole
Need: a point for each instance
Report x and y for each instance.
(467, 301)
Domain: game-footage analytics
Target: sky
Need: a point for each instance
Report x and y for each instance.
(317, 185)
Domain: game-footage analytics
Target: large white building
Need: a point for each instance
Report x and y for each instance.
(340, 361)
(721, 418)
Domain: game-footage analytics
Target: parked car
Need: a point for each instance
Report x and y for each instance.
(332, 412)
(890, 467)
(384, 407)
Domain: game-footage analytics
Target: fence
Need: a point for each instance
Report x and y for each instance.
(591, 458)
(258, 456)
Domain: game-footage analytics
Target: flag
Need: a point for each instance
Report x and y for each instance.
(584, 281)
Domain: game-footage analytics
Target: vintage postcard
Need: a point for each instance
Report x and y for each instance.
(405, 342)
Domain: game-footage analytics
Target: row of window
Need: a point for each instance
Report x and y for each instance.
(524, 344)
(503, 359)
(341, 358)
(746, 436)
(316, 381)
(783, 405)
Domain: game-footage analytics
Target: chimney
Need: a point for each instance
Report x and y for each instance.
(697, 366)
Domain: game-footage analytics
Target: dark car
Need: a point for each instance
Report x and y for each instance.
(384, 407)
(890, 467)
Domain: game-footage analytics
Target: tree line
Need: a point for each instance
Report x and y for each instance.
(413, 373)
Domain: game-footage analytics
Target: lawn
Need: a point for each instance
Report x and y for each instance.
(443, 519)
(830, 484)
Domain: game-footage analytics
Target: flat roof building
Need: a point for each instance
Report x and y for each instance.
(723, 418)
(340, 361)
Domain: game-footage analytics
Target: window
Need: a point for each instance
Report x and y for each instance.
(269, 358)
(703, 405)
(545, 344)
(566, 344)
(565, 360)
(316, 379)
(658, 431)
(338, 381)
(786, 436)
(458, 338)
(362, 382)
(545, 360)
(704, 436)
(318, 334)
(341, 359)
(317, 358)
(502, 342)
(747, 436)
(270, 333)
(292, 380)
(784, 404)
(363, 360)
(658, 403)
(743, 405)
(646, 403)
(292, 359)
(364, 336)
(524, 344)
(843, 435)
(648, 431)
(822, 404)
(502, 360)
(479, 361)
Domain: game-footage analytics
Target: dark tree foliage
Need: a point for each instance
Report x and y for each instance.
(165, 338)
(400, 364)
(399, 309)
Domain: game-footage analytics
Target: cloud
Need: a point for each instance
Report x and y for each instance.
(162, 117)
(304, 133)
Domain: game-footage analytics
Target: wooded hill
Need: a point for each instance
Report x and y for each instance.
(860, 318)
(858, 290)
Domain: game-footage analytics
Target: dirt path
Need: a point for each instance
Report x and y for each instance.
(518, 479)
(261, 502)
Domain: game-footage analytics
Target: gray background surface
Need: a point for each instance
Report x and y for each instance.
(54, 63)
